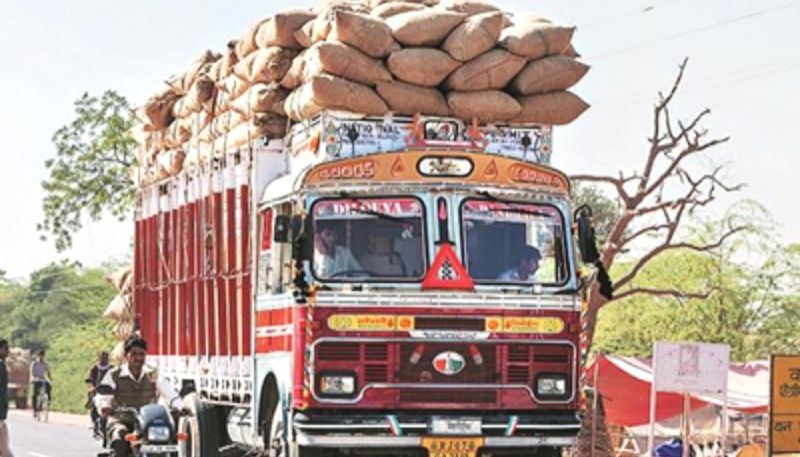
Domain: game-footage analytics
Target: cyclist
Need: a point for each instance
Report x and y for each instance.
(40, 374)
(93, 378)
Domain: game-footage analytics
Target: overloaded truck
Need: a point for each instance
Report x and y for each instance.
(361, 281)
(18, 364)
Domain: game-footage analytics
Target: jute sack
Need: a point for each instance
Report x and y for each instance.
(478, 34)
(224, 122)
(265, 65)
(196, 99)
(535, 40)
(394, 8)
(485, 106)
(117, 278)
(410, 99)
(117, 308)
(492, 70)
(178, 132)
(422, 66)
(169, 163)
(468, 7)
(337, 59)
(523, 18)
(571, 52)
(159, 108)
(548, 74)
(318, 29)
(428, 27)
(555, 108)
(233, 86)
(370, 35)
(279, 29)
(329, 92)
(123, 330)
(264, 124)
(378, 3)
(261, 98)
(181, 83)
(223, 67)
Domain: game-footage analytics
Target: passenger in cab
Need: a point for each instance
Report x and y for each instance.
(525, 270)
(331, 259)
(381, 260)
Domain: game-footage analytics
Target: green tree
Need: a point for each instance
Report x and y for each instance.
(90, 174)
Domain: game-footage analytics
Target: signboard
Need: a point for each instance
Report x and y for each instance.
(342, 138)
(692, 367)
(785, 405)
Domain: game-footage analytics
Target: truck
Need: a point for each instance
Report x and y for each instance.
(398, 284)
(18, 364)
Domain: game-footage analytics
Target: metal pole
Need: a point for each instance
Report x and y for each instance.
(651, 432)
(687, 425)
(594, 403)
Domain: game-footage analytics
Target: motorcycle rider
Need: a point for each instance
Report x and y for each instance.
(132, 385)
(93, 378)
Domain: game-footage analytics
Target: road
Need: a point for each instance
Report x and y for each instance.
(63, 436)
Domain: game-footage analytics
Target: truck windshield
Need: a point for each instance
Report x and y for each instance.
(513, 243)
(378, 239)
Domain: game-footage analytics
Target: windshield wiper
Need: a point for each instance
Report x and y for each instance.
(493, 198)
(363, 209)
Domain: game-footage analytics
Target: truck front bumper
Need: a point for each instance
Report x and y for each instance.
(360, 441)
(406, 430)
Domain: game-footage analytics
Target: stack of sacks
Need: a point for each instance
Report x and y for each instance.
(461, 58)
(119, 311)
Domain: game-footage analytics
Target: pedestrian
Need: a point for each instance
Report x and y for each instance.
(5, 445)
(93, 378)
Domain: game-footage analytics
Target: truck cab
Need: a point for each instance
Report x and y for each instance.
(416, 289)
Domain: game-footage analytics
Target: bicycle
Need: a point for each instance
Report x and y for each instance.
(41, 411)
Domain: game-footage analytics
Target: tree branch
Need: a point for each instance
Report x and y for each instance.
(680, 294)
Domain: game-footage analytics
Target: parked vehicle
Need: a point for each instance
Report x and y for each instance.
(18, 363)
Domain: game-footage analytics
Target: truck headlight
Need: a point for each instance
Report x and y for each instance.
(158, 433)
(551, 385)
(337, 384)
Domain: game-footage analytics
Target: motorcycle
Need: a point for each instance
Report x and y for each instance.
(153, 435)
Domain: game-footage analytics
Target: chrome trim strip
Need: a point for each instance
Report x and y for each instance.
(454, 300)
(416, 441)
(340, 426)
(519, 441)
(548, 427)
(358, 441)
(360, 396)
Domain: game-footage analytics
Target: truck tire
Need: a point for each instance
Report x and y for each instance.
(276, 444)
(204, 422)
(21, 402)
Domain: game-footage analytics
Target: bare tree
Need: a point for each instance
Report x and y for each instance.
(656, 201)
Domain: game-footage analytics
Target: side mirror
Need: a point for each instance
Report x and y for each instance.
(587, 242)
(281, 229)
(302, 237)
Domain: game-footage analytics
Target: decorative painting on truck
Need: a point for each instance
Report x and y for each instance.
(341, 138)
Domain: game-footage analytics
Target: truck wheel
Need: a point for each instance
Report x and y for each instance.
(21, 402)
(207, 429)
(277, 445)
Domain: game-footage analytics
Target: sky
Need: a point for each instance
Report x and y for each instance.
(744, 66)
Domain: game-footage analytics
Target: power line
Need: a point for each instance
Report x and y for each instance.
(696, 30)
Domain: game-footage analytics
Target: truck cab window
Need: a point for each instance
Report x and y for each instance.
(512, 243)
(371, 239)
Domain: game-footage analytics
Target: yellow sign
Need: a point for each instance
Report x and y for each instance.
(452, 447)
(785, 405)
(544, 325)
(404, 323)
(370, 322)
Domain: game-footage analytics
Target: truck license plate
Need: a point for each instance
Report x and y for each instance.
(455, 426)
(158, 448)
(452, 447)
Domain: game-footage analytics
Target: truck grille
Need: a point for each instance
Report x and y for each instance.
(412, 362)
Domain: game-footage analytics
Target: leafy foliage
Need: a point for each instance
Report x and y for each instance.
(89, 175)
(753, 306)
(60, 310)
